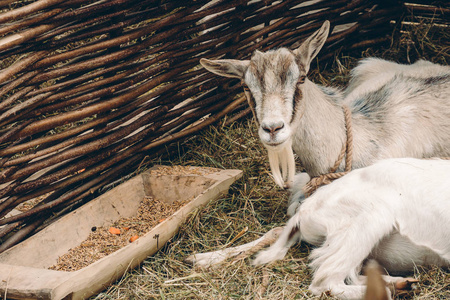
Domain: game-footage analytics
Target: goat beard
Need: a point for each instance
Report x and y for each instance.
(282, 164)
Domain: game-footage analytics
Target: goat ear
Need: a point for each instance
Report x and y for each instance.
(226, 67)
(309, 48)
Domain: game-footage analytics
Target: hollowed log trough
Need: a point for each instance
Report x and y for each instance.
(24, 267)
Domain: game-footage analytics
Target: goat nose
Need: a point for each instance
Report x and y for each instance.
(273, 127)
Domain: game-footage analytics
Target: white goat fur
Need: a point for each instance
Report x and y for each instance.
(396, 211)
(397, 110)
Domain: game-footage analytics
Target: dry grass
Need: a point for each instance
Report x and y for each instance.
(256, 202)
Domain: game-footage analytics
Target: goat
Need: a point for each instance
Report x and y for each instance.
(396, 211)
(397, 110)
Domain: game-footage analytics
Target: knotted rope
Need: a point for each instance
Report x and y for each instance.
(347, 151)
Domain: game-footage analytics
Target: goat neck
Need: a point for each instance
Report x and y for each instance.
(319, 127)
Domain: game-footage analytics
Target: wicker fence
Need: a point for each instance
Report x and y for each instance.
(89, 88)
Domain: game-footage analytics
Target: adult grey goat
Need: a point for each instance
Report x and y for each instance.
(397, 110)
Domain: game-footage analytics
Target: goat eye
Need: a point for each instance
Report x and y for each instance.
(301, 79)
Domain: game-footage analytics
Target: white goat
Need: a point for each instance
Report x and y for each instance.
(396, 211)
(397, 110)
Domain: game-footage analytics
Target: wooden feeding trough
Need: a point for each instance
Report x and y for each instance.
(24, 268)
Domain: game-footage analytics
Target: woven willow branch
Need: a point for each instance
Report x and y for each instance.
(98, 85)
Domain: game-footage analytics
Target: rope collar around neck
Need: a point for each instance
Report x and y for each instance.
(347, 151)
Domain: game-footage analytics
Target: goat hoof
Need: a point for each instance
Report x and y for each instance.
(190, 260)
(405, 284)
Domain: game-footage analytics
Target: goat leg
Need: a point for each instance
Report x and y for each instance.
(208, 259)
